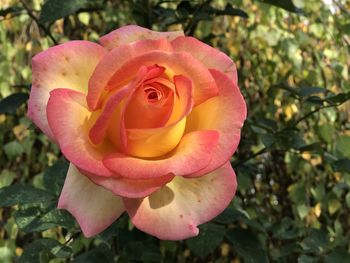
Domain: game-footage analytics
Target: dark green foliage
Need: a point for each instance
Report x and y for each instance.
(43, 250)
(102, 253)
(285, 4)
(36, 218)
(11, 103)
(209, 238)
(55, 175)
(56, 9)
(247, 245)
(22, 194)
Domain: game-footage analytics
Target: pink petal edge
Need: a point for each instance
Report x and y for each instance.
(175, 211)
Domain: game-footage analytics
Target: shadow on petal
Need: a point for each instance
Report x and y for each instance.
(162, 197)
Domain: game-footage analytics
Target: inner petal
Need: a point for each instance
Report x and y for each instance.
(151, 106)
(157, 141)
(152, 95)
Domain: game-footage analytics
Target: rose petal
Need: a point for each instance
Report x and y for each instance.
(120, 65)
(209, 56)
(155, 114)
(176, 63)
(98, 131)
(68, 118)
(68, 65)
(131, 33)
(174, 211)
(130, 187)
(229, 104)
(191, 155)
(114, 60)
(94, 207)
(154, 142)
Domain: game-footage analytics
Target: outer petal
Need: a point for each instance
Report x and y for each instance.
(114, 60)
(231, 107)
(132, 188)
(68, 65)
(131, 33)
(174, 211)
(68, 118)
(191, 155)
(94, 207)
(209, 56)
(120, 65)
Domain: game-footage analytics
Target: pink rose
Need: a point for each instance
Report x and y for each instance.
(148, 121)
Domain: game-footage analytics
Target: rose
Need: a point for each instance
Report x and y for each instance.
(148, 121)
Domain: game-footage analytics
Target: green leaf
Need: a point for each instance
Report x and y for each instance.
(302, 210)
(268, 139)
(347, 199)
(307, 91)
(342, 165)
(210, 236)
(339, 98)
(305, 259)
(326, 132)
(13, 149)
(43, 250)
(55, 175)
(231, 215)
(231, 11)
(316, 241)
(247, 245)
(343, 145)
(34, 219)
(263, 123)
(11, 103)
(314, 100)
(313, 147)
(285, 229)
(337, 255)
(285, 4)
(6, 178)
(144, 251)
(22, 194)
(102, 253)
(6, 254)
(56, 9)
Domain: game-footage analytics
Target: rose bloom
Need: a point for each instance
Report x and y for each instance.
(148, 121)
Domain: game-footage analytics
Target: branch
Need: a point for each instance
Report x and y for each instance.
(307, 115)
(239, 163)
(46, 30)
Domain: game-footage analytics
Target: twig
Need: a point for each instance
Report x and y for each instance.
(8, 17)
(191, 26)
(307, 115)
(239, 163)
(27, 86)
(46, 31)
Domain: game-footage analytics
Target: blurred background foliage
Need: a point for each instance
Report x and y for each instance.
(293, 163)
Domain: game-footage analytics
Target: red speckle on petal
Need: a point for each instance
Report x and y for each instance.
(181, 216)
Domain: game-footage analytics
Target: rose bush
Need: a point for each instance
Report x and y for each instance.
(148, 121)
